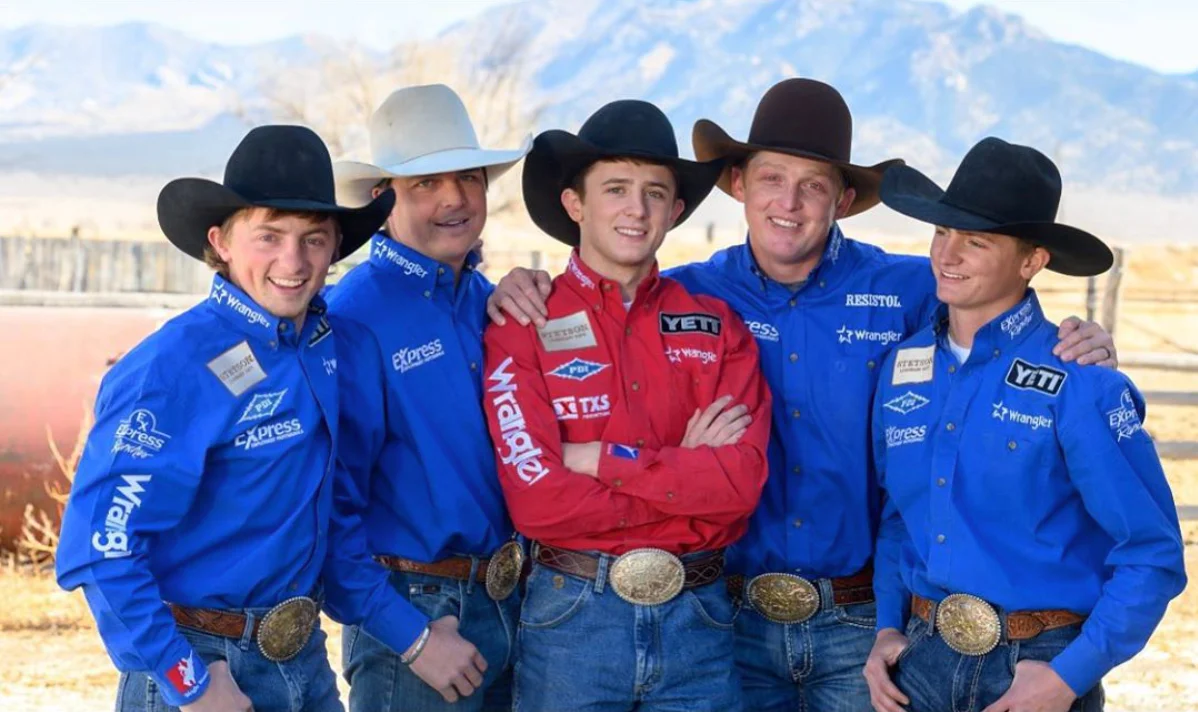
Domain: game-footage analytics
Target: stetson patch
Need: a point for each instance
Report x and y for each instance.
(913, 365)
(567, 333)
(238, 369)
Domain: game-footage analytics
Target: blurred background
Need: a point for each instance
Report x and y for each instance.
(103, 102)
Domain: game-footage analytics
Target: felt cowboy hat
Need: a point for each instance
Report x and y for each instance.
(280, 167)
(622, 129)
(1001, 188)
(799, 117)
(420, 131)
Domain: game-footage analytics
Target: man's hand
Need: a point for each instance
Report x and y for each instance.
(582, 458)
(450, 664)
(1036, 688)
(1086, 342)
(522, 294)
(222, 695)
(884, 695)
(717, 425)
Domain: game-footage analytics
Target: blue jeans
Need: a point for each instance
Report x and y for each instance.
(380, 682)
(305, 683)
(937, 679)
(813, 666)
(583, 648)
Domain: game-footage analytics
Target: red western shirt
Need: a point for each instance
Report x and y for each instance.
(630, 379)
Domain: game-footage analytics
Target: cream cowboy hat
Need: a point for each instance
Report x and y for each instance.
(421, 130)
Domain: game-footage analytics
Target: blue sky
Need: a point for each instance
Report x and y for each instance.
(1155, 33)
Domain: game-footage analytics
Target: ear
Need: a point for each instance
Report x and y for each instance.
(845, 202)
(217, 242)
(679, 206)
(1035, 261)
(738, 183)
(572, 202)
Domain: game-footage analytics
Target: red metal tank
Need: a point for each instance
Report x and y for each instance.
(51, 361)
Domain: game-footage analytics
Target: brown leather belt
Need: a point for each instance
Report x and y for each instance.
(846, 590)
(698, 571)
(455, 567)
(1021, 625)
(222, 623)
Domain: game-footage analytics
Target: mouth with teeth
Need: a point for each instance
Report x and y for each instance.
(783, 223)
(454, 224)
(952, 276)
(289, 286)
(632, 232)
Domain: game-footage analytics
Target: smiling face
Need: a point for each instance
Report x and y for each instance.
(279, 259)
(623, 210)
(790, 205)
(983, 272)
(440, 216)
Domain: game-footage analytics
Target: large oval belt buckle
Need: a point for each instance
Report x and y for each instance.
(783, 598)
(968, 624)
(503, 571)
(286, 628)
(647, 577)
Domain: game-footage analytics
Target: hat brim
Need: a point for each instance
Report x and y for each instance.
(711, 142)
(356, 179)
(1072, 251)
(189, 207)
(558, 156)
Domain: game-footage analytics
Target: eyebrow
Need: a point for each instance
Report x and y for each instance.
(271, 227)
(628, 181)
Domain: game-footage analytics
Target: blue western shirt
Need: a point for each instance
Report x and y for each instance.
(414, 435)
(1025, 481)
(822, 346)
(207, 480)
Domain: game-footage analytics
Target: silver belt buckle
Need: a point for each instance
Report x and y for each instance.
(647, 577)
(286, 628)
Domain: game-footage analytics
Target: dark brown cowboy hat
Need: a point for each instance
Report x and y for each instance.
(800, 117)
(627, 128)
(282, 167)
(1003, 188)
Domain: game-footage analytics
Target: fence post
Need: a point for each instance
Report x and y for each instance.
(1110, 294)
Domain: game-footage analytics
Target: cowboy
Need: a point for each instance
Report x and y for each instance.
(428, 503)
(207, 481)
(1029, 540)
(825, 310)
(620, 452)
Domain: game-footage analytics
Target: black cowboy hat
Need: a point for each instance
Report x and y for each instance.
(621, 129)
(1001, 188)
(281, 167)
(799, 117)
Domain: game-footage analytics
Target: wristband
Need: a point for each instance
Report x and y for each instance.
(409, 658)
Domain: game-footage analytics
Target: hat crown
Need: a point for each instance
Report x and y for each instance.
(281, 163)
(418, 121)
(631, 126)
(804, 115)
(1007, 183)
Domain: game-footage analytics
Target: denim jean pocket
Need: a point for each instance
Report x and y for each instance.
(713, 605)
(552, 598)
(861, 615)
(917, 632)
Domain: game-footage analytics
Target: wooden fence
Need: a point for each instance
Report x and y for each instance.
(72, 264)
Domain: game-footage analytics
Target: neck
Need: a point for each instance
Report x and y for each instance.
(454, 262)
(629, 277)
(788, 272)
(964, 322)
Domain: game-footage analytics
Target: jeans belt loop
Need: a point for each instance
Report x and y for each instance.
(475, 562)
(601, 573)
(827, 597)
(246, 641)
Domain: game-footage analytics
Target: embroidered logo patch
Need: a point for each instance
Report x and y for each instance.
(697, 323)
(578, 369)
(906, 403)
(1031, 377)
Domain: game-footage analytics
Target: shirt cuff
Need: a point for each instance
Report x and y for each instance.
(397, 626)
(892, 610)
(183, 678)
(619, 462)
(1081, 665)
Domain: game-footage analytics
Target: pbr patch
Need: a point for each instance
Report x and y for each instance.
(578, 369)
(913, 365)
(906, 403)
(1032, 377)
(323, 329)
(567, 333)
(262, 405)
(694, 323)
(623, 451)
(238, 369)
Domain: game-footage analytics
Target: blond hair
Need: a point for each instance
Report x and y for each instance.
(218, 265)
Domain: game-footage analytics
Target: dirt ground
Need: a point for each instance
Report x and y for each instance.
(53, 660)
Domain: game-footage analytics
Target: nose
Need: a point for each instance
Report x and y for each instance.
(638, 206)
(452, 194)
(948, 247)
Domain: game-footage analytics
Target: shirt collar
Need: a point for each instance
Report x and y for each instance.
(418, 270)
(243, 313)
(1006, 330)
(588, 283)
(833, 264)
